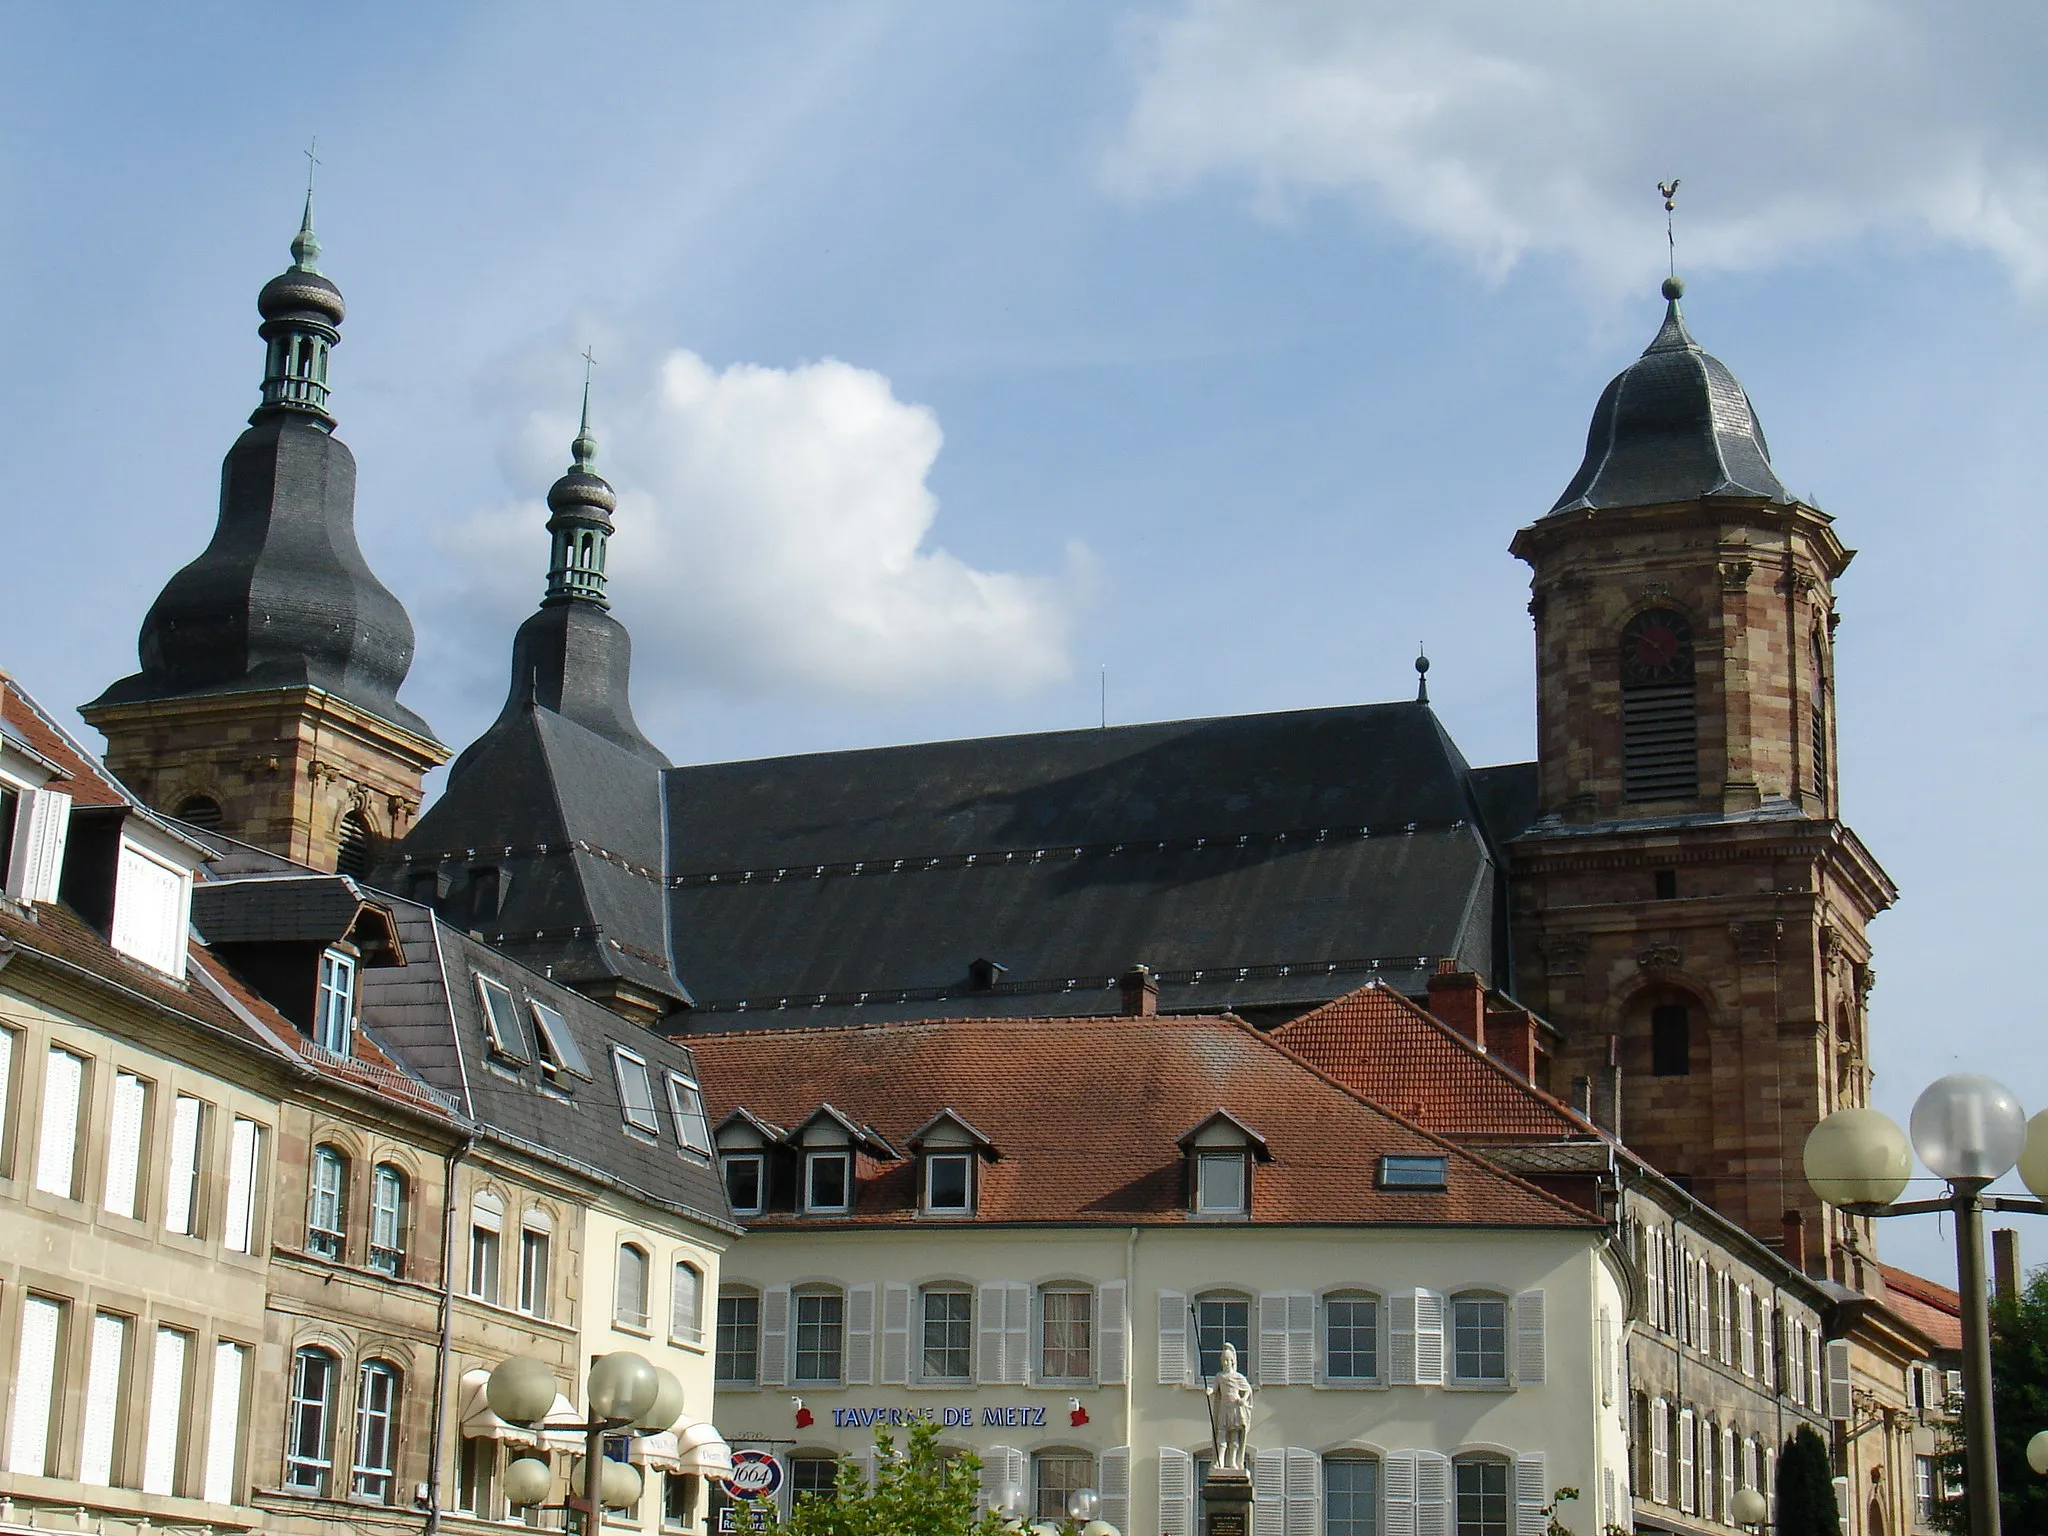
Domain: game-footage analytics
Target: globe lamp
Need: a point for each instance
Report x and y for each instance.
(527, 1481)
(1966, 1126)
(1858, 1157)
(667, 1406)
(2037, 1452)
(521, 1390)
(1748, 1507)
(2034, 1157)
(619, 1485)
(623, 1386)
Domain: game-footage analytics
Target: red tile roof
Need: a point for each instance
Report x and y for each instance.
(1934, 1309)
(1378, 1043)
(84, 779)
(1085, 1114)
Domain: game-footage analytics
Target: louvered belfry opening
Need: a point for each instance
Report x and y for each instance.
(353, 856)
(1659, 708)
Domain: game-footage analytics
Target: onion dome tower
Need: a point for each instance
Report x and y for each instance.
(1689, 908)
(267, 702)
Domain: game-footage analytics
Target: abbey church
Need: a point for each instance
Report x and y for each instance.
(1664, 903)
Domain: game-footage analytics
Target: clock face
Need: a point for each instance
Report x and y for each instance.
(1656, 647)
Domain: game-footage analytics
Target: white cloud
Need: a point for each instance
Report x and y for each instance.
(1504, 130)
(774, 536)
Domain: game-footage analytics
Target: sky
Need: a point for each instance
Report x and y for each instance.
(960, 367)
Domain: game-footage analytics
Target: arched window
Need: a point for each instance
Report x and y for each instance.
(1479, 1339)
(686, 1303)
(1659, 707)
(199, 810)
(536, 1243)
(629, 1291)
(387, 1219)
(1223, 1317)
(1351, 1495)
(1480, 1488)
(309, 1421)
(377, 1386)
(352, 855)
(327, 1204)
(1670, 1040)
(1819, 713)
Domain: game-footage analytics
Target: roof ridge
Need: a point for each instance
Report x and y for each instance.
(993, 1022)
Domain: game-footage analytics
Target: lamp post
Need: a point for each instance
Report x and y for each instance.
(1970, 1131)
(1748, 1508)
(624, 1393)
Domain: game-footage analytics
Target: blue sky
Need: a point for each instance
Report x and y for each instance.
(950, 354)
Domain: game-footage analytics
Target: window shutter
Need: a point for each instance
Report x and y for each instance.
(1304, 1492)
(1609, 1514)
(1606, 1359)
(1269, 1493)
(1112, 1340)
(895, 1334)
(1686, 1426)
(1767, 1344)
(1813, 1351)
(1016, 1333)
(860, 1335)
(1176, 1492)
(39, 844)
(775, 1336)
(57, 1153)
(1113, 1471)
(1301, 1338)
(1745, 1358)
(152, 911)
(1727, 1470)
(995, 1471)
(1397, 1493)
(35, 1381)
(1840, 1404)
(1401, 1338)
(124, 1143)
(1432, 1494)
(1174, 1365)
(1532, 1492)
(1705, 1435)
(238, 1227)
(224, 1424)
(1271, 1369)
(103, 1396)
(163, 1447)
(988, 1324)
(186, 1122)
(1660, 1451)
(1429, 1340)
(1529, 1338)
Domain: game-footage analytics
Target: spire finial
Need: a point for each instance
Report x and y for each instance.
(1421, 674)
(584, 449)
(305, 244)
(1674, 288)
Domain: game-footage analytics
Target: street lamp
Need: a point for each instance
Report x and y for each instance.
(1969, 1130)
(1748, 1507)
(2037, 1452)
(1086, 1507)
(624, 1393)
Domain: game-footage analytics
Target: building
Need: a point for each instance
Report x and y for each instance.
(1040, 1233)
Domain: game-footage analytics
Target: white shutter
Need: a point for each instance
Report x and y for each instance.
(1609, 1515)
(1727, 1470)
(1606, 1359)
(895, 1334)
(1840, 1403)
(1745, 1357)
(1301, 1338)
(1020, 1467)
(988, 1328)
(995, 1471)
(1529, 1339)
(1174, 1366)
(860, 1335)
(1704, 1436)
(1429, 1340)
(1767, 1344)
(1397, 1493)
(35, 1382)
(1842, 1501)
(152, 910)
(103, 1398)
(224, 1423)
(1401, 1339)
(1016, 1333)
(238, 1229)
(39, 838)
(1304, 1492)
(162, 1447)
(57, 1154)
(1112, 1340)
(1176, 1492)
(1653, 1281)
(1271, 1369)
(1532, 1492)
(124, 1143)
(1269, 1493)
(1113, 1472)
(1660, 1451)
(1432, 1494)
(1686, 1425)
(186, 1121)
(775, 1336)
(6, 1068)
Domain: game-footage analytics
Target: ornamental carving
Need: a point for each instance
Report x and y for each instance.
(1654, 590)
(1757, 941)
(1565, 953)
(1735, 574)
(1661, 957)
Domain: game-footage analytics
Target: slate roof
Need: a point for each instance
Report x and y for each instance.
(308, 908)
(1044, 1089)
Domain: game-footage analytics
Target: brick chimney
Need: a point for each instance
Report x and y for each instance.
(2005, 1263)
(1141, 992)
(1459, 999)
(1793, 1247)
(1511, 1036)
(1607, 1095)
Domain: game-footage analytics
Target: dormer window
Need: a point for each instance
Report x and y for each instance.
(334, 1008)
(828, 1182)
(745, 1184)
(1222, 1183)
(949, 1183)
(949, 1155)
(1220, 1153)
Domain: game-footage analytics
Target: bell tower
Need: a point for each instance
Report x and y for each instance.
(267, 703)
(1688, 905)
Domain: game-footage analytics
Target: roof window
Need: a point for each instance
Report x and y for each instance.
(636, 1091)
(334, 1008)
(1398, 1172)
(1220, 1153)
(558, 1049)
(501, 1019)
(828, 1182)
(688, 1105)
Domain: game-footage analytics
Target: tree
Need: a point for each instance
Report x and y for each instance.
(919, 1491)
(1806, 1487)
(2019, 1398)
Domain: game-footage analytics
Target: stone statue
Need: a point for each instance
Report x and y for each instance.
(1230, 1411)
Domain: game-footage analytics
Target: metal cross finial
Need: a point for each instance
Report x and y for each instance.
(312, 160)
(589, 362)
(1670, 191)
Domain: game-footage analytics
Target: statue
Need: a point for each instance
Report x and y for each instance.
(1230, 1412)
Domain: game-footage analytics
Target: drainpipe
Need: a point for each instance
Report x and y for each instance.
(1131, 1366)
(449, 1210)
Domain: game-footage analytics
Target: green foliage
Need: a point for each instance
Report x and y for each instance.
(915, 1492)
(1806, 1487)
(1557, 1527)
(2019, 1399)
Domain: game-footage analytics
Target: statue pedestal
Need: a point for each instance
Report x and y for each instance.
(1227, 1502)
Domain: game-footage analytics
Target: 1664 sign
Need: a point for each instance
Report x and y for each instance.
(755, 1475)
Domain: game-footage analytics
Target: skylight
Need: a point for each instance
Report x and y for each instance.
(1414, 1172)
(688, 1105)
(501, 1019)
(558, 1047)
(636, 1091)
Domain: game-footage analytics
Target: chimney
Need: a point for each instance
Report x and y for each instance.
(1511, 1035)
(1459, 999)
(1607, 1098)
(1141, 992)
(1793, 1245)
(1582, 1096)
(2005, 1264)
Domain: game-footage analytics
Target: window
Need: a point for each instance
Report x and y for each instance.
(501, 1019)
(1221, 1320)
(38, 1363)
(127, 1135)
(199, 811)
(1923, 1489)
(1659, 712)
(1479, 1339)
(688, 1107)
(476, 1479)
(57, 1150)
(105, 1396)
(949, 1182)
(486, 1221)
(737, 1360)
(6, 1073)
(827, 1185)
(245, 1156)
(534, 1243)
(1065, 1334)
(743, 1182)
(636, 1091)
(10, 815)
(1351, 1338)
(334, 1006)
(629, 1289)
(1056, 1477)
(1666, 881)
(376, 1431)
(558, 1049)
(181, 1183)
(812, 1476)
(308, 1421)
(163, 1446)
(1819, 714)
(686, 1304)
(1221, 1184)
(820, 1332)
(152, 910)
(1670, 1040)
(948, 1336)
(352, 843)
(1414, 1172)
(327, 1203)
(387, 1219)
(1482, 1497)
(678, 1500)
(224, 1423)
(1351, 1496)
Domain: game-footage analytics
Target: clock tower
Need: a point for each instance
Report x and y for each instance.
(1689, 908)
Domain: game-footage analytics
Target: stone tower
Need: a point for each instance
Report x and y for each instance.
(1689, 908)
(267, 704)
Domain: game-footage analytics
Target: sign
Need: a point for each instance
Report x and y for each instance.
(964, 1416)
(755, 1475)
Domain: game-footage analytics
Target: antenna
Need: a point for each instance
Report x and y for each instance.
(1669, 189)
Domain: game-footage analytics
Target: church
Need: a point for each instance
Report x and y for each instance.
(1667, 892)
